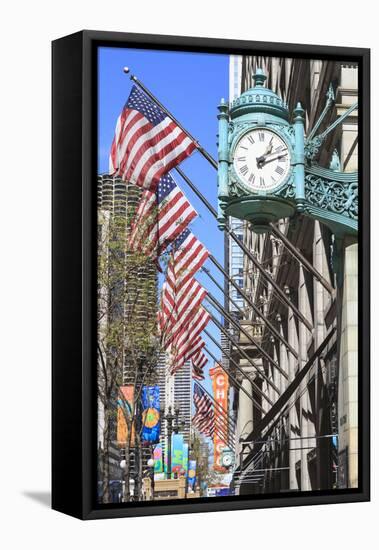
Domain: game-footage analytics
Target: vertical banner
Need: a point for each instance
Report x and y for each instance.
(185, 457)
(191, 474)
(150, 414)
(124, 409)
(177, 453)
(158, 462)
(220, 385)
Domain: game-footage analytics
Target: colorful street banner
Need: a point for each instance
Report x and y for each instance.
(185, 457)
(177, 453)
(150, 414)
(158, 456)
(191, 474)
(124, 410)
(220, 385)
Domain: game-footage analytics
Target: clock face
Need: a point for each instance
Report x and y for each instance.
(261, 160)
(227, 460)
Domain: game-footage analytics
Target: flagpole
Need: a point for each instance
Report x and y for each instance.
(232, 378)
(216, 304)
(220, 427)
(214, 163)
(223, 428)
(253, 306)
(244, 248)
(222, 435)
(242, 352)
(230, 299)
(199, 147)
(229, 418)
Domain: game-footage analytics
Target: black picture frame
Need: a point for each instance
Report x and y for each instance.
(74, 131)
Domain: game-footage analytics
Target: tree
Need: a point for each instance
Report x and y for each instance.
(200, 451)
(128, 344)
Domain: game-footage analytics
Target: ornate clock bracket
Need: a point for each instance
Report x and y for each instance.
(327, 195)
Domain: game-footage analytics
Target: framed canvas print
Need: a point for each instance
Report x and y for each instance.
(210, 274)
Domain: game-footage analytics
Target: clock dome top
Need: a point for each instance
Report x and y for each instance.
(259, 99)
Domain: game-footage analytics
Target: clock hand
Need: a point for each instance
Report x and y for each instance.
(269, 147)
(267, 152)
(275, 156)
(265, 159)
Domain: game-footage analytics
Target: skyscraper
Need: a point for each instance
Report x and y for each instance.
(183, 397)
(175, 390)
(126, 310)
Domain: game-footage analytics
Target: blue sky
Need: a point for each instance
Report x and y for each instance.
(191, 86)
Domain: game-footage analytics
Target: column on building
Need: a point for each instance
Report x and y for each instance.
(348, 372)
(348, 362)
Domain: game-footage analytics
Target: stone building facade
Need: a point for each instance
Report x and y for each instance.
(312, 441)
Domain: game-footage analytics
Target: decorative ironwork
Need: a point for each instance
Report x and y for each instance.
(325, 194)
(289, 192)
(312, 148)
(313, 144)
(340, 197)
(330, 98)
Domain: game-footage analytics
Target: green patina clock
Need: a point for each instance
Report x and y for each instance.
(266, 167)
(227, 458)
(262, 160)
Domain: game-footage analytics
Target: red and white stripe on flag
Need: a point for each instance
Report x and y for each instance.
(199, 360)
(160, 218)
(204, 418)
(178, 308)
(188, 341)
(188, 256)
(181, 293)
(147, 143)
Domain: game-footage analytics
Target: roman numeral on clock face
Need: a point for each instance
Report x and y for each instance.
(261, 160)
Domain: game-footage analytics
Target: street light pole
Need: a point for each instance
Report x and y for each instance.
(169, 419)
(174, 425)
(150, 464)
(141, 364)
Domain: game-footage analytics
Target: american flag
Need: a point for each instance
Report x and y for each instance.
(181, 293)
(178, 307)
(187, 341)
(203, 419)
(160, 218)
(197, 374)
(198, 361)
(177, 360)
(147, 143)
(188, 256)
